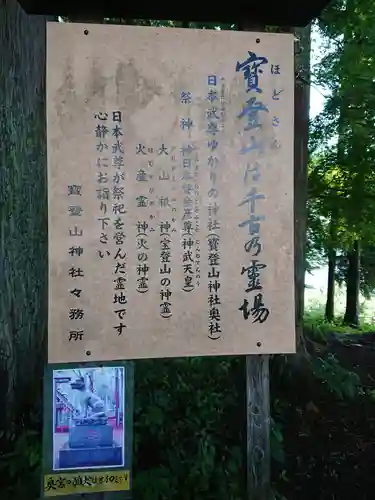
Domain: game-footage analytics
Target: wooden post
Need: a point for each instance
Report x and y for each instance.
(258, 428)
(257, 406)
(257, 367)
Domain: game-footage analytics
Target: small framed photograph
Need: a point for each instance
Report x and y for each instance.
(87, 428)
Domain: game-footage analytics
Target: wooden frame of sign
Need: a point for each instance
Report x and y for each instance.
(270, 12)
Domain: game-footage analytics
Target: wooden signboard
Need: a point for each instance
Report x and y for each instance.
(170, 177)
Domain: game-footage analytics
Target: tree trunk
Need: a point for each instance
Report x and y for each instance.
(23, 214)
(330, 304)
(301, 134)
(332, 244)
(351, 317)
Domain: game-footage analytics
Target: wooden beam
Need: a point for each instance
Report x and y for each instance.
(269, 12)
(257, 404)
(258, 428)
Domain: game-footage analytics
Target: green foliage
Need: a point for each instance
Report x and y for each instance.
(277, 442)
(189, 432)
(343, 383)
(22, 466)
(340, 381)
(341, 175)
(189, 429)
(317, 327)
(367, 271)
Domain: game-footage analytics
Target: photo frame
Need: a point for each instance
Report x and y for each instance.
(88, 428)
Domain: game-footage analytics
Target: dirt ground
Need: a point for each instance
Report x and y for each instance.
(330, 447)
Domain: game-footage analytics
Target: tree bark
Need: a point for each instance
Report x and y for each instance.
(23, 214)
(330, 304)
(301, 135)
(332, 244)
(351, 317)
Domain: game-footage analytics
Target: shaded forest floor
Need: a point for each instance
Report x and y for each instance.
(330, 443)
